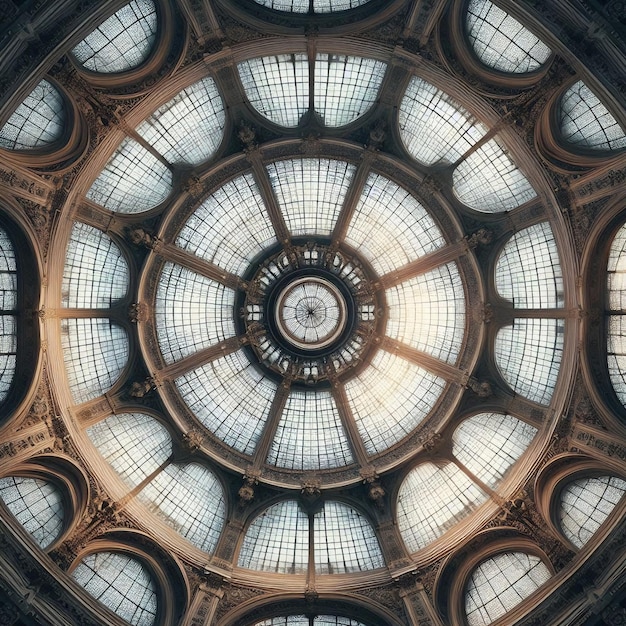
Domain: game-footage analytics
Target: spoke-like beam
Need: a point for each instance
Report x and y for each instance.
(435, 366)
(425, 263)
(347, 419)
(200, 358)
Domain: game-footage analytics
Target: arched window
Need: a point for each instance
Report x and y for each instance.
(8, 310)
(319, 6)
(302, 620)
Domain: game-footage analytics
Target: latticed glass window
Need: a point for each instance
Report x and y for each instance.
(319, 6)
(8, 320)
(616, 305)
(302, 620)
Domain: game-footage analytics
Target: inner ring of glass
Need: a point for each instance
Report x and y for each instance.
(311, 313)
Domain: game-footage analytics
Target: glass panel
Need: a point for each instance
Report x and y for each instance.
(310, 193)
(488, 445)
(95, 275)
(500, 583)
(231, 398)
(390, 227)
(36, 504)
(528, 272)
(190, 499)
(277, 87)
(616, 355)
(585, 505)
(344, 541)
(433, 127)
(192, 312)
(432, 500)
(310, 435)
(122, 584)
(189, 128)
(277, 540)
(428, 312)
(346, 87)
(133, 180)
(501, 42)
(134, 444)
(301, 620)
(319, 6)
(390, 398)
(122, 42)
(616, 272)
(293, 6)
(488, 181)
(37, 122)
(8, 353)
(529, 356)
(95, 353)
(328, 6)
(586, 122)
(230, 227)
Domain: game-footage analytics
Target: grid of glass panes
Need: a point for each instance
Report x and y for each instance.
(95, 352)
(134, 444)
(95, 274)
(36, 504)
(190, 499)
(616, 301)
(501, 582)
(310, 193)
(344, 541)
(133, 180)
(528, 271)
(488, 445)
(389, 227)
(231, 398)
(37, 121)
(501, 42)
(192, 312)
(301, 620)
(230, 227)
(585, 505)
(277, 540)
(616, 355)
(616, 272)
(433, 127)
(310, 435)
(428, 312)
(121, 42)
(390, 398)
(8, 303)
(189, 128)
(528, 354)
(293, 6)
(122, 584)
(585, 121)
(277, 86)
(488, 181)
(346, 87)
(431, 500)
(8, 353)
(319, 6)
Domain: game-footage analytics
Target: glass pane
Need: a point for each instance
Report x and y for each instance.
(433, 127)
(528, 272)
(310, 193)
(277, 540)
(189, 128)
(36, 504)
(288, 620)
(616, 272)
(432, 500)
(328, 6)
(390, 227)
(310, 435)
(488, 445)
(231, 398)
(501, 42)
(390, 398)
(586, 122)
(319, 6)
(192, 312)
(37, 122)
(585, 505)
(277, 87)
(500, 583)
(190, 499)
(488, 181)
(230, 227)
(134, 444)
(344, 541)
(122, 42)
(95, 275)
(122, 584)
(428, 312)
(346, 87)
(529, 356)
(293, 6)
(133, 180)
(95, 353)
(8, 353)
